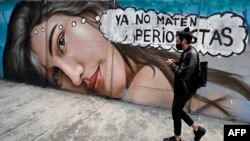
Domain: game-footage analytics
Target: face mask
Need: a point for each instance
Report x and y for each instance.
(179, 46)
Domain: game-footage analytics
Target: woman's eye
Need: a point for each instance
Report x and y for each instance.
(56, 74)
(61, 44)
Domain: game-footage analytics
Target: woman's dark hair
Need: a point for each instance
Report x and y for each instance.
(21, 64)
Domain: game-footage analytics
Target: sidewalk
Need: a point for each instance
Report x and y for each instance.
(35, 113)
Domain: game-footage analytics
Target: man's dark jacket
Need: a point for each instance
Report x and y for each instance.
(186, 73)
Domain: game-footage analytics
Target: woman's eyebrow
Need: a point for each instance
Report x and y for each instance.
(50, 39)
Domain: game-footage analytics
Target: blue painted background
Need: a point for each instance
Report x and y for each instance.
(6, 8)
(199, 7)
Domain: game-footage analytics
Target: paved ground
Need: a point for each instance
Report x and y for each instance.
(35, 113)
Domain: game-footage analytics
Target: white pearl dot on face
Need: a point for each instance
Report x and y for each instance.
(73, 23)
(60, 27)
(97, 18)
(83, 21)
(43, 29)
(35, 32)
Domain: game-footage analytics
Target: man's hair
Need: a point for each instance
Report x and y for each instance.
(185, 34)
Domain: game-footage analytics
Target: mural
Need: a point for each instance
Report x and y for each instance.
(118, 49)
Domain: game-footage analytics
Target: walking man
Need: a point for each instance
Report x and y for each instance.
(185, 85)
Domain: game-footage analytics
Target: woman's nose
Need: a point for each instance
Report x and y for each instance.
(73, 69)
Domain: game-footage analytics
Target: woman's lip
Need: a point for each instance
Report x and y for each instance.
(98, 79)
(95, 80)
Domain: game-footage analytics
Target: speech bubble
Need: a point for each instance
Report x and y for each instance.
(220, 34)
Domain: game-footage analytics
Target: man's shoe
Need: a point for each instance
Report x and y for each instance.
(198, 134)
(170, 139)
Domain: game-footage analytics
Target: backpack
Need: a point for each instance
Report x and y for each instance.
(202, 72)
(202, 79)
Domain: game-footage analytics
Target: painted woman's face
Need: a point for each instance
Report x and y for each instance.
(77, 57)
